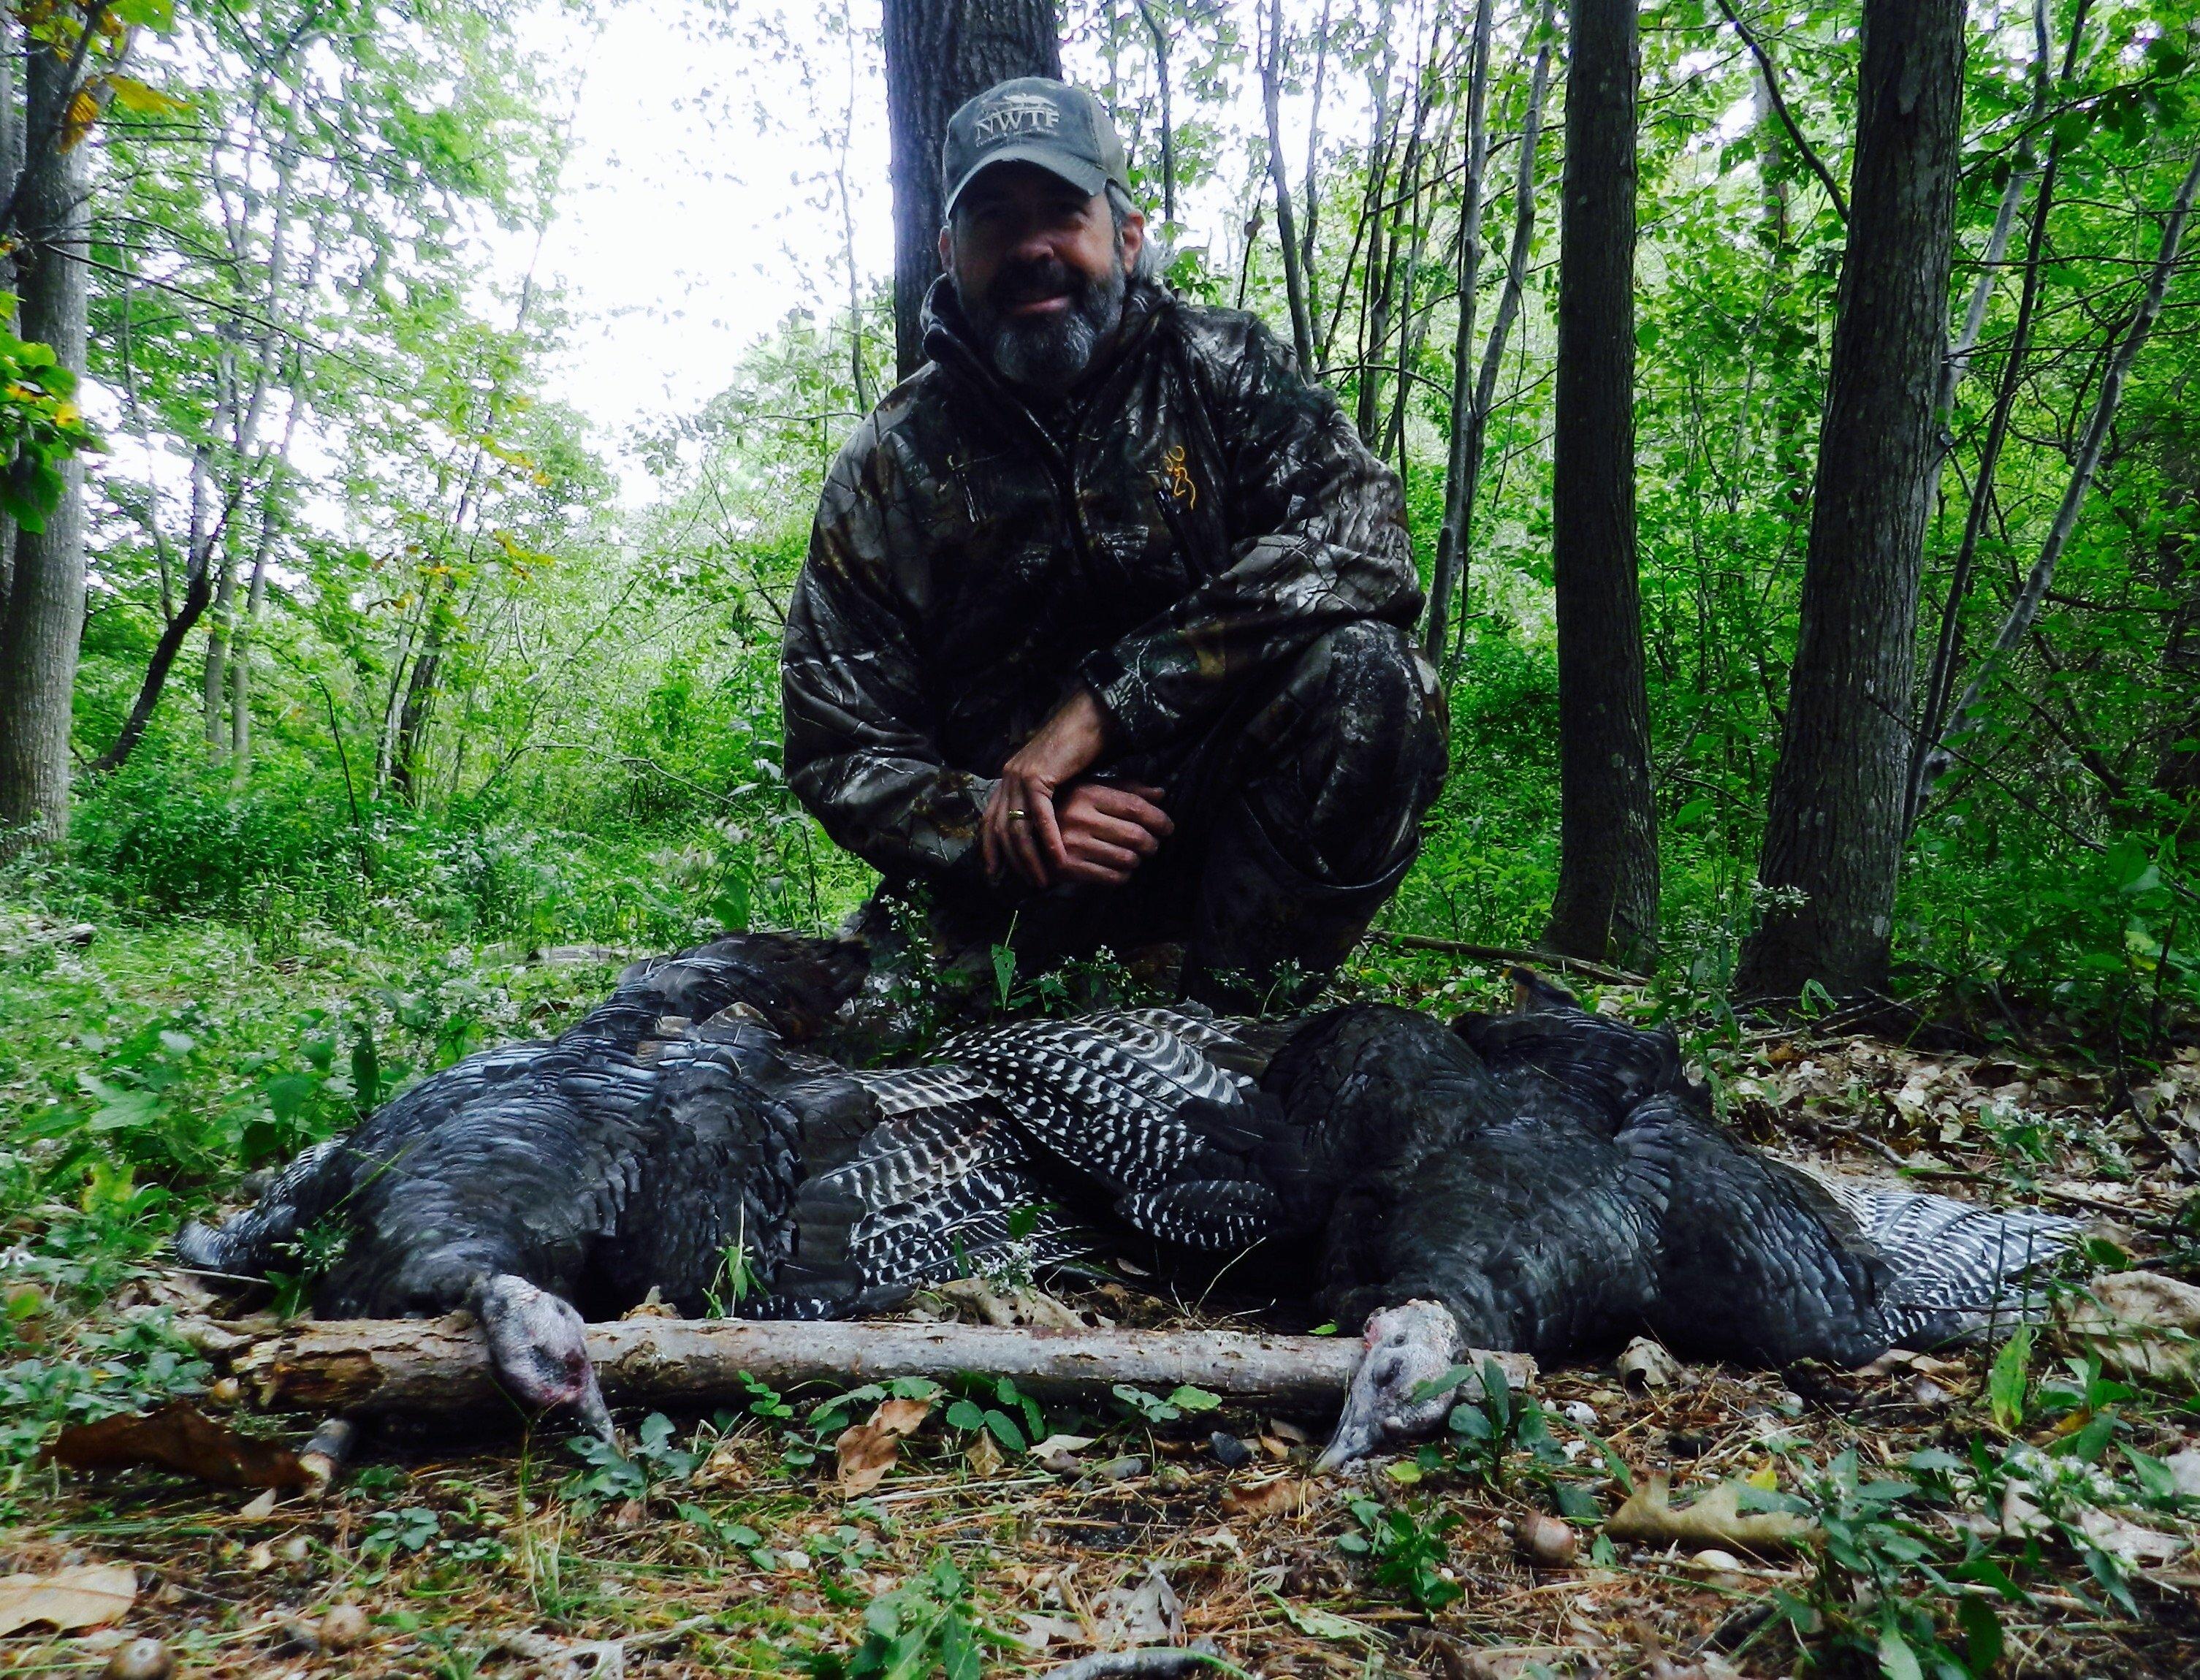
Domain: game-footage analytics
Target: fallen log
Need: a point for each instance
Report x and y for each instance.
(424, 1366)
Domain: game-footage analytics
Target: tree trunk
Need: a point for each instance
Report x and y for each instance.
(1452, 560)
(938, 54)
(1832, 834)
(1451, 534)
(11, 165)
(1606, 903)
(1271, 75)
(44, 616)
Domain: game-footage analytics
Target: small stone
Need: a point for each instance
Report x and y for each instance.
(141, 1659)
(225, 1392)
(260, 1508)
(295, 1549)
(1545, 1541)
(1171, 1478)
(342, 1628)
(1121, 1469)
(1229, 1450)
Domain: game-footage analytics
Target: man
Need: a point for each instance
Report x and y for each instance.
(1101, 640)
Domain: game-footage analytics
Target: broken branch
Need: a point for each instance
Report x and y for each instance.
(439, 1365)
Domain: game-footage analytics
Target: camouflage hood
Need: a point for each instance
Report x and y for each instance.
(1191, 517)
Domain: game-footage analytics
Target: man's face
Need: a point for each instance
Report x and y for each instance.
(1039, 270)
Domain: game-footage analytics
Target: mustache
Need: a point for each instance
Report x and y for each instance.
(1026, 282)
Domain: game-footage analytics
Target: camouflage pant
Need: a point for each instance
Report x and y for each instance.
(1297, 813)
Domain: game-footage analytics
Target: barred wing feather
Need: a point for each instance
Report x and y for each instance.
(1957, 1266)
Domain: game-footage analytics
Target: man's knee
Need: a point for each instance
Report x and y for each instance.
(1377, 705)
(1361, 756)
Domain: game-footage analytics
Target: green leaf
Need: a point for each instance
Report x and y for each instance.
(1421, 1393)
(1190, 1399)
(1692, 812)
(2005, 1387)
(154, 15)
(1004, 1430)
(1320, 1624)
(1982, 1637)
(966, 1414)
(1897, 1661)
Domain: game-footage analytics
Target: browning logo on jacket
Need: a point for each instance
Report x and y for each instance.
(1191, 519)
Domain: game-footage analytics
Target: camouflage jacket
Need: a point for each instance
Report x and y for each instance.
(1194, 517)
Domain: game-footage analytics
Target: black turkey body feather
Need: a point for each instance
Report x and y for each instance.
(589, 1168)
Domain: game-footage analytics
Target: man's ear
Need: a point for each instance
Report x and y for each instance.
(947, 250)
(1133, 238)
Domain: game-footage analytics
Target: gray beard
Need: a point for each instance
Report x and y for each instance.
(1053, 354)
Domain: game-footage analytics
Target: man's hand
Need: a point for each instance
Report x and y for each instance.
(1098, 834)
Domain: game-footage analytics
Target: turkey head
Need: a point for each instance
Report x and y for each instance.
(1396, 1396)
(539, 1349)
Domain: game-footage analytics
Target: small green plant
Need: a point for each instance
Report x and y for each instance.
(1408, 1553)
(613, 1474)
(925, 1627)
(1152, 1409)
(1487, 1430)
(409, 1528)
(829, 1417)
(1013, 1418)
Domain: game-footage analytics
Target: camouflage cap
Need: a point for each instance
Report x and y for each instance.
(1064, 130)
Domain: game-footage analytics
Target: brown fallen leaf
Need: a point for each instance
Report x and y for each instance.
(867, 1450)
(1716, 1520)
(180, 1437)
(2141, 1324)
(901, 1417)
(1286, 1496)
(86, 1596)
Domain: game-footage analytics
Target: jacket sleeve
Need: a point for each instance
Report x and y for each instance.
(1319, 539)
(862, 752)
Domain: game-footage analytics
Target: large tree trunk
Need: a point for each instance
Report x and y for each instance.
(938, 54)
(45, 613)
(1607, 897)
(1832, 836)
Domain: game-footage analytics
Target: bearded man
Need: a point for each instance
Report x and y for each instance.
(1102, 638)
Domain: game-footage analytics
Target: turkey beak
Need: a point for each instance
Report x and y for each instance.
(1356, 1436)
(594, 1415)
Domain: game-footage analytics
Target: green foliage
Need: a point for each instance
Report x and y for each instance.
(1000, 1408)
(616, 1474)
(927, 1626)
(1152, 1409)
(40, 426)
(1406, 1554)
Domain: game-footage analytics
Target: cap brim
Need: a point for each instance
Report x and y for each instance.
(1087, 178)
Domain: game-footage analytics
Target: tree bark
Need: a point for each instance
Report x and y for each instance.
(1451, 568)
(1271, 75)
(44, 614)
(1833, 836)
(1451, 534)
(439, 1365)
(1607, 903)
(938, 54)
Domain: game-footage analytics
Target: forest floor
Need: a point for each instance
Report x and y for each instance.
(2035, 1503)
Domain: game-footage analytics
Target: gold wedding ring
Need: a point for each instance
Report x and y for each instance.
(1019, 816)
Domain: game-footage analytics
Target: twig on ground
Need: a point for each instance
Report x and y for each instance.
(1510, 955)
(1150, 1664)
